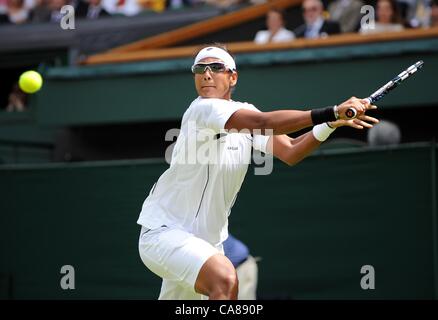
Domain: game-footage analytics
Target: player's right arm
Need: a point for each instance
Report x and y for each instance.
(286, 121)
(281, 121)
(291, 151)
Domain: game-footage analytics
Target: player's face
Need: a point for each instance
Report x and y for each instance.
(215, 84)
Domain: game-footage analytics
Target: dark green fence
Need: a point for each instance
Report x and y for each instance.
(314, 226)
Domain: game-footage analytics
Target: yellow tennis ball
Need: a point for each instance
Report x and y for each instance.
(30, 81)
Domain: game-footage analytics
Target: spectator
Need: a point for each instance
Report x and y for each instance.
(388, 18)
(346, 13)
(48, 11)
(16, 99)
(315, 25)
(41, 12)
(422, 14)
(55, 7)
(276, 31)
(16, 12)
(405, 8)
(415, 12)
(124, 7)
(90, 9)
(434, 14)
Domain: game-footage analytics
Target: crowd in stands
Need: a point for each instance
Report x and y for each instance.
(28, 11)
(343, 16)
(35, 11)
(321, 18)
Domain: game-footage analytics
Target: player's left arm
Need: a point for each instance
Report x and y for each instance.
(292, 151)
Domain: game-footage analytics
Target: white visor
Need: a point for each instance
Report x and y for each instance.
(218, 53)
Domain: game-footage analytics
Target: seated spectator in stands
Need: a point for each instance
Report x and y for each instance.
(276, 31)
(388, 18)
(41, 12)
(422, 15)
(415, 12)
(315, 25)
(124, 7)
(16, 99)
(55, 7)
(90, 9)
(16, 12)
(48, 11)
(434, 14)
(346, 13)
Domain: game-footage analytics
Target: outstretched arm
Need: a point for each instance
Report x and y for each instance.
(286, 121)
(281, 121)
(291, 151)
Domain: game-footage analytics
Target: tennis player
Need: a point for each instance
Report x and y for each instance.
(184, 219)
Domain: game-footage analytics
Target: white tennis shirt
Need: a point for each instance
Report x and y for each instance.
(196, 193)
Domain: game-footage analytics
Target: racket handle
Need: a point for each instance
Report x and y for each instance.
(351, 113)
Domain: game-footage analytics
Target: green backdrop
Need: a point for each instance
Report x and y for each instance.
(314, 226)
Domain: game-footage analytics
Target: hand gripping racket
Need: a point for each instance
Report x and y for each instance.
(382, 91)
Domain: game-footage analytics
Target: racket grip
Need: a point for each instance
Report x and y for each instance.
(351, 113)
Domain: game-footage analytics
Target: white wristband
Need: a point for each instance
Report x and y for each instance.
(322, 131)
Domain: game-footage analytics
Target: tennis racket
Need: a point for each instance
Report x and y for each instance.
(382, 91)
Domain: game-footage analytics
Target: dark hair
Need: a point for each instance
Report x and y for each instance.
(279, 11)
(396, 16)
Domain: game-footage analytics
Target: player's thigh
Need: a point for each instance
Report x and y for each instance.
(174, 254)
(217, 271)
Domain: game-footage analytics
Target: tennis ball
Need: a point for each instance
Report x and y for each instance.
(30, 81)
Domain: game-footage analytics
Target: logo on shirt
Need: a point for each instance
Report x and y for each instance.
(232, 148)
(219, 137)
